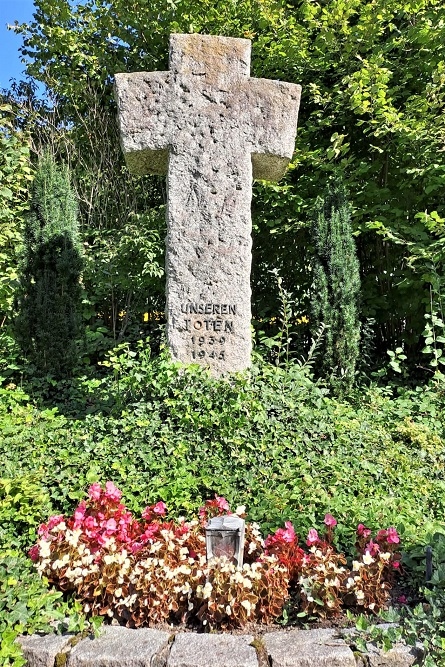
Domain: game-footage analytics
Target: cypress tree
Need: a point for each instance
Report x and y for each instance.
(48, 321)
(336, 288)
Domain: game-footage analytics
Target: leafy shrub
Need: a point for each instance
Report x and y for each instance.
(22, 501)
(27, 606)
(293, 452)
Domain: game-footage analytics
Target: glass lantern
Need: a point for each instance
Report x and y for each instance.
(225, 537)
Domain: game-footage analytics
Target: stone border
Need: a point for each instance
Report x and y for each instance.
(117, 646)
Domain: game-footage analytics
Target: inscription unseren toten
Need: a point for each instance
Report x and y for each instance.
(208, 308)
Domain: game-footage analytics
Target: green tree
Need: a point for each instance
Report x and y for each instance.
(336, 288)
(15, 175)
(48, 321)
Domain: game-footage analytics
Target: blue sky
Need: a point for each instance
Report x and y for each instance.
(10, 65)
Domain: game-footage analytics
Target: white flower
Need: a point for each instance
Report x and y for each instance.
(356, 565)
(359, 595)
(207, 590)
(45, 550)
(247, 606)
(241, 509)
(367, 558)
(252, 547)
(60, 527)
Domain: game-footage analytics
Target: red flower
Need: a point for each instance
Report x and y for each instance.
(213, 508)
(362, 531)
(33, 553)
(282, 535)
(381, 536)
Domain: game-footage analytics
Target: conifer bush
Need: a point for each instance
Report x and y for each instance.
(48, 320)
(336, 288)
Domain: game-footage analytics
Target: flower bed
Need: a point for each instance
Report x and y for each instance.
(152, 570)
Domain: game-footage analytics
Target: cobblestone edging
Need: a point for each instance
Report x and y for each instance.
(120, 647)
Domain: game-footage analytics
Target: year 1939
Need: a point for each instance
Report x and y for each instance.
(212, 340)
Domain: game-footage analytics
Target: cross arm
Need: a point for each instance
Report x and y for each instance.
(146, 129)
(274, 114)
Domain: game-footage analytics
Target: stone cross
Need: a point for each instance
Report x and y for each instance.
(211, 128)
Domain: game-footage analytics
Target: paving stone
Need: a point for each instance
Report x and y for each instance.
(121, 647)
(42, 650)
(193, 650)
(308, 648)
(398, 656)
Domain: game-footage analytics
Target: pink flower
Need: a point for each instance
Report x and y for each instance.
(90, 522)
(149, 512)
(330, 521)
(79, 514)
(288, 535)
(95, 491)
(282, 535)
(312, 537)
(54, 521)
(182, 529)
(372, 548)
(103, 539)
(396, 564)
(160, 508)
(112, 492)
(33, 553)
(42, 530)
(111, 525)
(402, 599)
(392, 536)
(150, 532)
(136, 546)
(381, 535)
(362, 531)
(222, 504)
